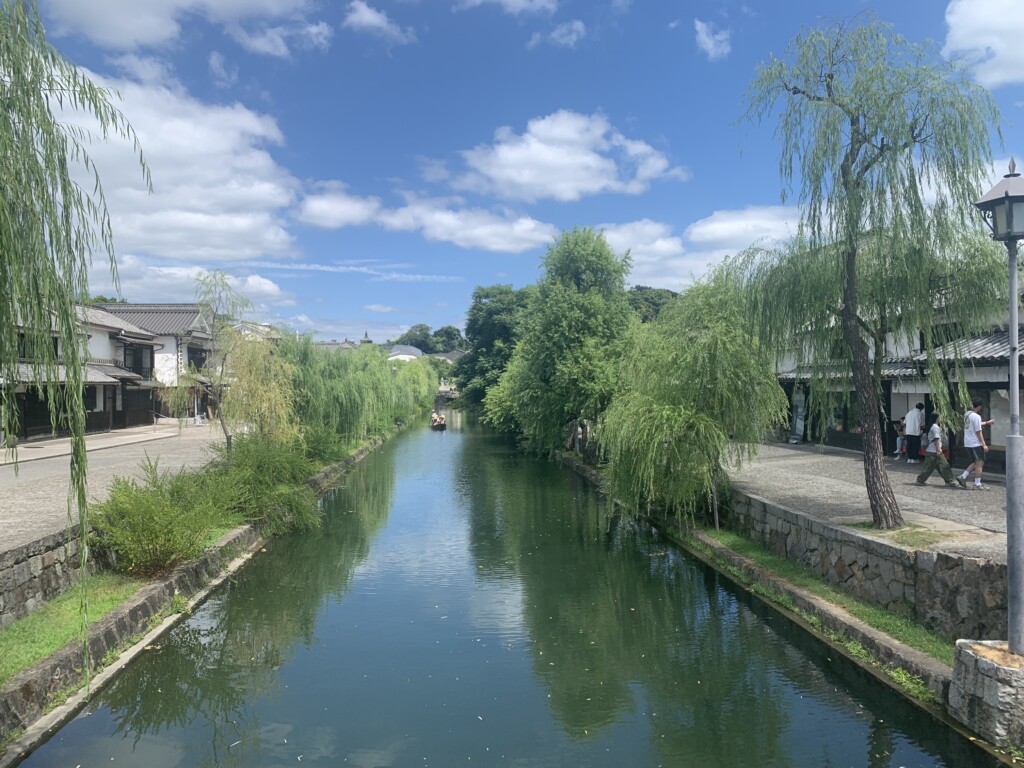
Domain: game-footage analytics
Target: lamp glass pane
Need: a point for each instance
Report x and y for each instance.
(1018, 218)
(999, 220)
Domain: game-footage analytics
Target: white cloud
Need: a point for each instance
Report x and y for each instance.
(988, 33)
(131, 24)
(564, 156)
(733, 231)
(382, 308)
(333, 207)
(362, 18)
(143, 281)
(515, 7)
(565, 35)
(223, 75)
(278, 41)
(657, 254)
(347, 268)
(712, 41)
(218, 195)
(437, 219)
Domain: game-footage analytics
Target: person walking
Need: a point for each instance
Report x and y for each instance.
(914, 426)
(975, 445)
(934, 458)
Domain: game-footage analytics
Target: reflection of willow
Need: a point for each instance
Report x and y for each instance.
(213, 665)
(612, 615)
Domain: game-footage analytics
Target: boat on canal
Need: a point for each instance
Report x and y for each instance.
(437, 422)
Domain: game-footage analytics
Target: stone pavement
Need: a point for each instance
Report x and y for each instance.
(828, 483)
(34, 493)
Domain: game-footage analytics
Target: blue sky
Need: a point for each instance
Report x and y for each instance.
(361, 165)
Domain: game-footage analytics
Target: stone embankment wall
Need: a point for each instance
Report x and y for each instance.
(37, 572)
(952, 595)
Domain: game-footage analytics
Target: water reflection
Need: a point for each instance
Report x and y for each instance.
(465, 604)
(214, 665)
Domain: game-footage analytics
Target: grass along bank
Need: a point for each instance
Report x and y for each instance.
(43, 632)
(901, 628)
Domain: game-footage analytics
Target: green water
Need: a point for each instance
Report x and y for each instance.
(465, 605)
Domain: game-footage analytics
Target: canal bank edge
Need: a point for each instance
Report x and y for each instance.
(33, 703)
(885, 651)
(25, 698)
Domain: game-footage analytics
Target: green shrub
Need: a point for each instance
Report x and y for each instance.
(149, 528)
(271, 484)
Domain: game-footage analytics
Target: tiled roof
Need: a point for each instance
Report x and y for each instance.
(892, 368)
(90, 375)
(992, 347)
(162, 319)
(115, 371)
(406, 350)
(104, 319)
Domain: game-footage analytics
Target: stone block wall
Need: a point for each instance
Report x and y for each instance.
(35, 573)
(955, 596)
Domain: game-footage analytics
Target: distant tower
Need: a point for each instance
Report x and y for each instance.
(366, 338)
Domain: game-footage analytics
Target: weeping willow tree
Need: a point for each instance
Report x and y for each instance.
(50, 225)
(889, 144)
(261, 394)
(223, 307)
(696, 394)
(343, 398)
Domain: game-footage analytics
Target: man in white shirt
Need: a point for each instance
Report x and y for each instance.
(975, 445)
(914, 426)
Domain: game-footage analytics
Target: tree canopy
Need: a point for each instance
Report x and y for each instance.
(563, 369)
(648, 302)
(492, 327)
(889, 144)
(696, 392)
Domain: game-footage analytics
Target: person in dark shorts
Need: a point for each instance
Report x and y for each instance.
(975, 445)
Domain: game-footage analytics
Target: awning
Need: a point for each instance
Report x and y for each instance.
(90, 375)
(116, 372)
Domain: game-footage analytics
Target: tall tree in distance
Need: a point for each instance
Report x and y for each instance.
(492, 327)
(889, 144)
(562, 373)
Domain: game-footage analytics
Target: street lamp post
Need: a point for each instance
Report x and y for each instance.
(1003, 209)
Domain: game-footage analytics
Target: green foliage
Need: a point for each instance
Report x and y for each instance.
(648, 302)
(492, 329)
(343, 399)
(55, 624)
(53, 219)
(269, 482)
(563, 369)
(890, 143)
(418, 336)
(695, 393)
(151, 527)
(447, 338)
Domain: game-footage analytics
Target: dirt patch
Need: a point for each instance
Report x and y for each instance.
(1000, 654)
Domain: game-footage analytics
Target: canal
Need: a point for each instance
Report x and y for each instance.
(466, 605)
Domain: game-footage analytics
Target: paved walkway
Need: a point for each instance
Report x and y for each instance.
(34, 493)
(828, 483)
